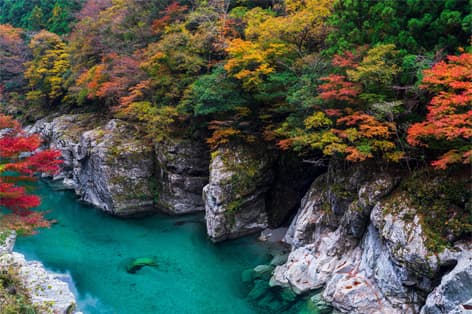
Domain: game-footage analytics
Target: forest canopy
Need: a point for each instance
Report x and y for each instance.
(356, 79)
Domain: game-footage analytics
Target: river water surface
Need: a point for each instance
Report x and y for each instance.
(193, 275)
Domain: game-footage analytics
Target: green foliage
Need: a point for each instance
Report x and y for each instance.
(157, 120)
(212, 94)
(53, 15)
(415, 25)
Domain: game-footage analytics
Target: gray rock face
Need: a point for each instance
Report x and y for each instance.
(181, 173)
(235, 205)
(360, 239)
(116, 171)
(454, 293)
(107, 165)
(47, 291)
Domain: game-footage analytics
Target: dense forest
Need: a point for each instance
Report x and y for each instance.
(361, 79)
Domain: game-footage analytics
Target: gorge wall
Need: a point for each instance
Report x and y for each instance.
(359, 237)
(356, 232)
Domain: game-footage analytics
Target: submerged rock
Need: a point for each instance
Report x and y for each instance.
(136, 264)
(235, 198)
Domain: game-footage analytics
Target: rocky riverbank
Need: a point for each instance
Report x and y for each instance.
(46, 292)
(361, 238)
(360, 234)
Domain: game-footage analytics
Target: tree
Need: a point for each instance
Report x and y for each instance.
(36, 19)
(354, 115)
(213, 94)
(19, 163)
(252, 63)
(448, 123)
(108, 81)
(413, 25)
(52, 15)
(13, 55)
(47, 72)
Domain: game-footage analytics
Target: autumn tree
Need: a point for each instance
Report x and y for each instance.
(13, 54)
(47, 72)
(448, 124)
(108, 81)
(19, 162)
(354, 114)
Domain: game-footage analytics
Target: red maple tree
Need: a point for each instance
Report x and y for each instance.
(19, 162)
(449, 118)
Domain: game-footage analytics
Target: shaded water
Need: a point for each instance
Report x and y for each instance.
(192, 274)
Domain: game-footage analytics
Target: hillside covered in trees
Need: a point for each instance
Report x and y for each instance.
(376, 79)
(250, 102)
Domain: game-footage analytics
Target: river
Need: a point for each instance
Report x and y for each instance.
(192, 275)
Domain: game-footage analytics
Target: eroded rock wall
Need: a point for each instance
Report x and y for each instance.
(111, 165)
(358, 237)
(181, 173)
(235, 197)
(106, 163)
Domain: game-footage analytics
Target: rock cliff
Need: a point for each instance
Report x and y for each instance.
(235, 197)
(181, 173)
(359, 237)
(110, 165)
(107, 164)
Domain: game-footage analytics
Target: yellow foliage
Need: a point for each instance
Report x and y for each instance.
(250, 62)
(318, 120)
(377, 67)
(46, 72)
(304, 21)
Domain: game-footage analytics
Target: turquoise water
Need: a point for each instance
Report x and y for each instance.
(193, 275)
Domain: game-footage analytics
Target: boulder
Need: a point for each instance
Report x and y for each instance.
(454, 294)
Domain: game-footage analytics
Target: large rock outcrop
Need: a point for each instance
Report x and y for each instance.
(359, 238)
(235, 197)
(48, 292)
(108, 164)
(181, 173)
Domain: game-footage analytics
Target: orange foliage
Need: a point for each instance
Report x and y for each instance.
(449, 115)
(338, 88)
(222, 136)
(171, 15)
